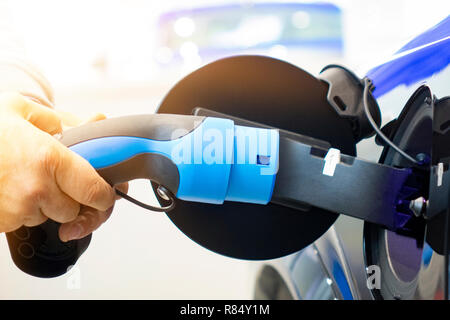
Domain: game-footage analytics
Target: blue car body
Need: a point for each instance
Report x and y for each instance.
(336, 266)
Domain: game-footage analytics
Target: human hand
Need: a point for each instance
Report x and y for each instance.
(40, 178)
(89, 218)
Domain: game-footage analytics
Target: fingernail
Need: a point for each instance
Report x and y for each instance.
(74, 232)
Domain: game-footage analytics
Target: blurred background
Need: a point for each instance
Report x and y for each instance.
(121, 57)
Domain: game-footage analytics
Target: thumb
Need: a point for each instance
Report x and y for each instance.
(70, 120)
(95, 117)
(43, 118)
(38, 115)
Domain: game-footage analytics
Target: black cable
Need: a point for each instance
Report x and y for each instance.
(367, 85)
(147, 206)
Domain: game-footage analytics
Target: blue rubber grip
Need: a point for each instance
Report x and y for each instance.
(216, 161)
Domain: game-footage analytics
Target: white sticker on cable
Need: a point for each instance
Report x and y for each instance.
(332, 159)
